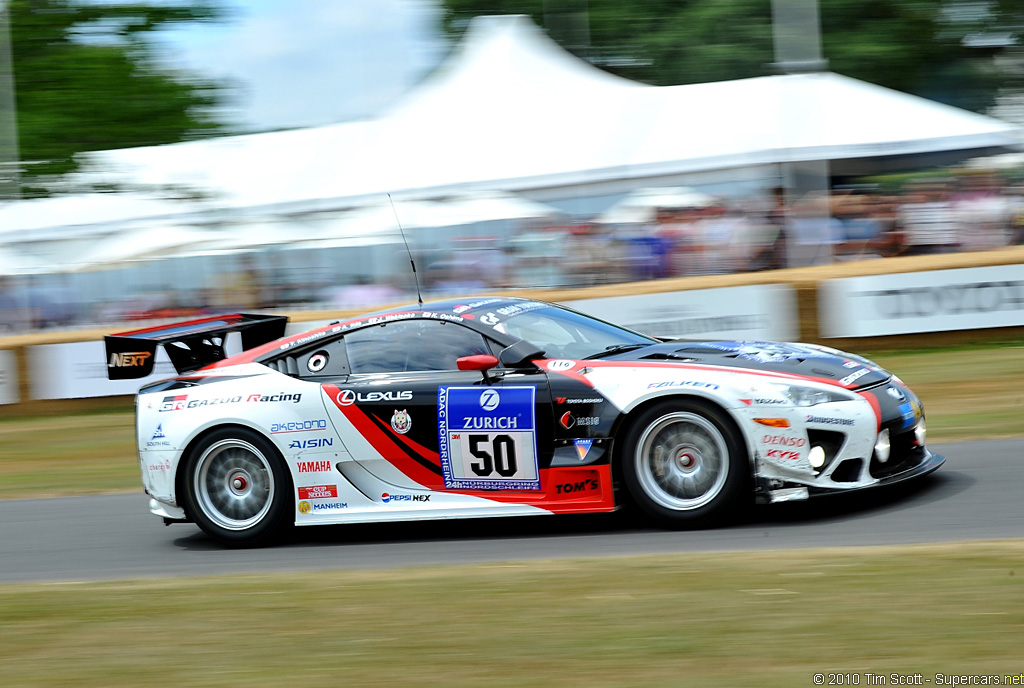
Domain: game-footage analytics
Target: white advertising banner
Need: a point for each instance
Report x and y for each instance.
(8, 377)
(758, 312)
(79, 369)
(932, 301)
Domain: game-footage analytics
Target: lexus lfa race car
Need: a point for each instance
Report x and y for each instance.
(499, 407)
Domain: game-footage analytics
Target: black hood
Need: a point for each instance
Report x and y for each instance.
(797, 359)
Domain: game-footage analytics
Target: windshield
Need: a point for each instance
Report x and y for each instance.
(567, 334)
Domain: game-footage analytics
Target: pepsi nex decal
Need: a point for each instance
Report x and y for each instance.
(488, 438)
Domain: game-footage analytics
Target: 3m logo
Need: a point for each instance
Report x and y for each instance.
(129, 359)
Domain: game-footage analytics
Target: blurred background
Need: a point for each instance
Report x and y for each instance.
(169, 159)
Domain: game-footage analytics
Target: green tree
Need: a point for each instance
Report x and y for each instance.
(87, 78)
(922, 47)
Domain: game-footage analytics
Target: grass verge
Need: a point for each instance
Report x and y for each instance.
(756, 618)
(968, 393)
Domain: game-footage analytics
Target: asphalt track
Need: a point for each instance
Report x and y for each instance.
(978, 494)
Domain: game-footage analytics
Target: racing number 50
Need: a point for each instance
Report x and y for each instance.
(503, 460)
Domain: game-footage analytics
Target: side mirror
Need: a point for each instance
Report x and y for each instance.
(520, 354)
(481, 362)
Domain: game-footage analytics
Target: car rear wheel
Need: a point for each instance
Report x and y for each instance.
(237, 487)
(684, 464)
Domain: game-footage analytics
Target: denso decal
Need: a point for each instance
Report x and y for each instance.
(388, 498)
(315, 443)
(294, 398)
(782, 454)
(129, 359)
(683, 383)
(784, 441)
(314, 466)
(347, 397)
(160, 466)
(318, 492)
(826, 420)
(298, 426)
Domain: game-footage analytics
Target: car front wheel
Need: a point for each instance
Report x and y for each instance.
(237, 487)
(684, 464)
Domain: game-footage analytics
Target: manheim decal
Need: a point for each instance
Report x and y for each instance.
(953, 299)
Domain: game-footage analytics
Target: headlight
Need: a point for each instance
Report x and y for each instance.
(799, 395)
(882, 446)
(920, 434)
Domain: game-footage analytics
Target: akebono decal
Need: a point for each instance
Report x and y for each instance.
(488, 438)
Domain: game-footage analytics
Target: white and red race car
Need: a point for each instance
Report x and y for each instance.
(499, 407)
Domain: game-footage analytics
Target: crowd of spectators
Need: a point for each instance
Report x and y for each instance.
(965, 212)
(936, 215)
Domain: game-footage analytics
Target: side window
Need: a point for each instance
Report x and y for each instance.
(411, 345)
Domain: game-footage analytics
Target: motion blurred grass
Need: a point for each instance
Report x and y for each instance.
(737, 619)
(968, 393)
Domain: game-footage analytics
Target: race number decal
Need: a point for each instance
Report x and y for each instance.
(488, 438)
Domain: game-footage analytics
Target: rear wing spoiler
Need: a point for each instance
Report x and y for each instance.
(190, 345)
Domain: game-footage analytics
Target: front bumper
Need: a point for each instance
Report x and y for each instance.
(168, 512)
(925, 464)
(770, 491)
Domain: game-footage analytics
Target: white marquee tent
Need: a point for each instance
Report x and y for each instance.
(511, 110)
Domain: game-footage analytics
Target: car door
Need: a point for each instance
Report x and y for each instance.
(413, 421)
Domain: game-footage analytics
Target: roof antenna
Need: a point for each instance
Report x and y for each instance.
(415, 279)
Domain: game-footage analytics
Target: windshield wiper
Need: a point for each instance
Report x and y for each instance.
(615, 349)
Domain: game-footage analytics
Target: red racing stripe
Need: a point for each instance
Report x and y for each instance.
(873, 400)
(386, 445)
